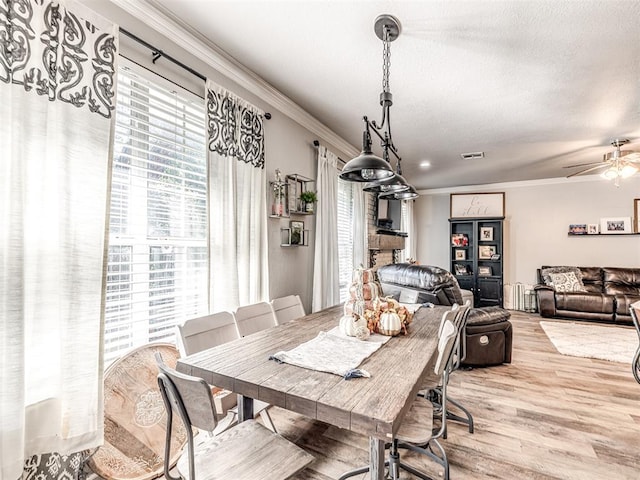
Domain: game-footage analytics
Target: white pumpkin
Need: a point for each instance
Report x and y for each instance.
(349, 324)
(390, 323)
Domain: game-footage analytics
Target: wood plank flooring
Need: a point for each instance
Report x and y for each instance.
(544, 416)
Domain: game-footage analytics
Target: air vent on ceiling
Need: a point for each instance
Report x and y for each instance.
(468, 156)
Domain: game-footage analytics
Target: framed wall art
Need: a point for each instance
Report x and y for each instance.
(297, 232)
(615, 225)
(477, 205)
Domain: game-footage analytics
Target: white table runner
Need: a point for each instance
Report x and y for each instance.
(331, 353)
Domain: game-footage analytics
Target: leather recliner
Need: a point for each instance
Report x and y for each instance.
(411, 283)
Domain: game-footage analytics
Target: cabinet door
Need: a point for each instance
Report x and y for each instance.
(489, 292)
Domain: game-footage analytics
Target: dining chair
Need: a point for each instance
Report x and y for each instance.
(287, 308)
(247, 450)
(416, 430)
(634, 309)
(197, 334)
(460, 317)
(254, 318)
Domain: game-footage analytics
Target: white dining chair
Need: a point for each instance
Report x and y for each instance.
(254, 318)
(197, 334)
(287, 308)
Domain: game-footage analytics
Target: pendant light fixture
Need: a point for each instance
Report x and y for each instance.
(368, 167)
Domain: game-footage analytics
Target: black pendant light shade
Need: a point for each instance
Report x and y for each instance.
(408, 194)
(366, 167)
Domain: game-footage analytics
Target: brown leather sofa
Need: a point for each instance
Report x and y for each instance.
(607, 294)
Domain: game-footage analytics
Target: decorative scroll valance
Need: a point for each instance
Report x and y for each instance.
(48, 49)
(234, 126)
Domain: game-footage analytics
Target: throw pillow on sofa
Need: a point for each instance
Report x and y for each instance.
(566, 282)
(545, 272)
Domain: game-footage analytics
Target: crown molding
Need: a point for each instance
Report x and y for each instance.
(175, 30)
(518, 184)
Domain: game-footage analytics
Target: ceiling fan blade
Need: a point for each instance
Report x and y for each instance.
(588, 170)
(582, 165)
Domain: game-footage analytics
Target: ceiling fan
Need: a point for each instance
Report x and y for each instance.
(617, 164)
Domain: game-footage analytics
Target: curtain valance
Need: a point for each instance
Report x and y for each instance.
(53, 52)
(234, 126)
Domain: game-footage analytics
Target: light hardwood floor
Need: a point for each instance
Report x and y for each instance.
(544, 416)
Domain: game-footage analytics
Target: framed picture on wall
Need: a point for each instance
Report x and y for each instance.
(615, 225)
(297, 232)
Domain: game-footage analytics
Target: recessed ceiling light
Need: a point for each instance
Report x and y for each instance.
(425, 164)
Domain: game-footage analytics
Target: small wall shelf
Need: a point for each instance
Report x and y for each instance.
(287, 239)
(601, 234)
(296, 185)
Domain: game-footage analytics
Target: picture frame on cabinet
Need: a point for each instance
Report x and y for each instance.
(484, 271)
(485, 252)
(461, 269)
(460, 254)
(297, 232)
(486, 234)
(495, 257)
(459, 240)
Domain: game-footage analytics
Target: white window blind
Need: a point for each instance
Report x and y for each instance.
(345, 237)
(157, 273)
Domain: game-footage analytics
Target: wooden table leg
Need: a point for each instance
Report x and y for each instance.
(245, 408)
(376, 458)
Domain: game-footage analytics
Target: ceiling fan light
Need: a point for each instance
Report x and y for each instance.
(610, 173)
(628, 170)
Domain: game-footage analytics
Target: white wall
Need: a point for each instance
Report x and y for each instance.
(538, 215)
(288, 146)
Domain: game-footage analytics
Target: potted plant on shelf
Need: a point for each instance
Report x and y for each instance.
(308, 198)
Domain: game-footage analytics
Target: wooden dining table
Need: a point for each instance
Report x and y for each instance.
(373, 406)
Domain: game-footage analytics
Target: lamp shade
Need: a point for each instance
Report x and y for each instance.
(408, 194)
(366, 167)
(397, 183)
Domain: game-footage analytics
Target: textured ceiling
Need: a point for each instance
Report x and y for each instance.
(536, 85)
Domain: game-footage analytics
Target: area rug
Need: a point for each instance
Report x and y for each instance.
(606, 342)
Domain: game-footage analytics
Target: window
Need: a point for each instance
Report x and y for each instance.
(345, 236)
(157, 272)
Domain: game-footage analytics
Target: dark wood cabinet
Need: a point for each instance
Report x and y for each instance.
(477, 258)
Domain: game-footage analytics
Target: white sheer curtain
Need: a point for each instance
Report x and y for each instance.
(237, 201)
(359, 226)
(408, 225)
(326, 279)
(57, 72)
